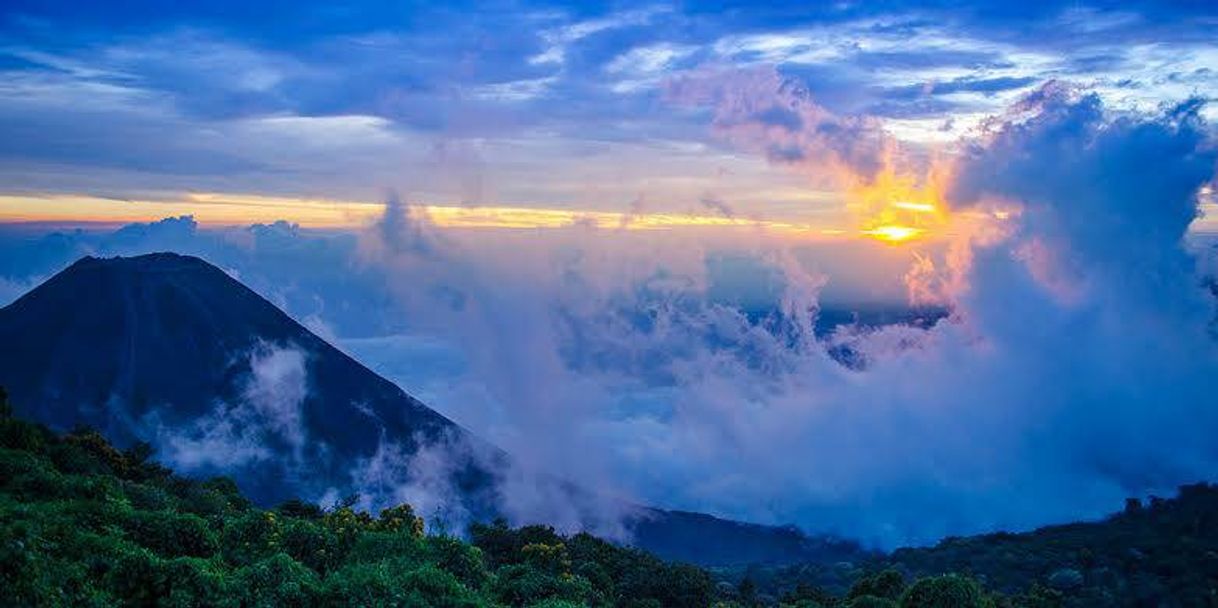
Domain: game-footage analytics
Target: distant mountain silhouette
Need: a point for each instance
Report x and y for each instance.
(165, 345)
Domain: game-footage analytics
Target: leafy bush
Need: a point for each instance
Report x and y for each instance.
(460, 559)
(251, 537)
(196, 582)
(277, 581)
(948, 591)
(171, 534)
(312, 544)
(871, 601)
(522, 585)
(391, 583)
(887, 584)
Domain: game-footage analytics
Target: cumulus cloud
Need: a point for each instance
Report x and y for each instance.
(758, 108)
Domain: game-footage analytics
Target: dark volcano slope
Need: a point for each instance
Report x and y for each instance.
(137, 347)
(133, 345)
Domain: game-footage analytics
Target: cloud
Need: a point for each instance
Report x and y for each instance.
(10, 290)
(615, 367)
(342, 104)
(758, 109)
(266, 418)
(420, 473)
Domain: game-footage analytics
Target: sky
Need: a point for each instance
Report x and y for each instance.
(310, 111)
(888, 270)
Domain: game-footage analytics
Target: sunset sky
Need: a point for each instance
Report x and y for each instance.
(535, 112)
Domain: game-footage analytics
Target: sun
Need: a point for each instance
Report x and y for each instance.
(893, 233)
(896, 209)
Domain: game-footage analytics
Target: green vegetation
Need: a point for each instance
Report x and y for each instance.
(85, 524)
(1162, 553)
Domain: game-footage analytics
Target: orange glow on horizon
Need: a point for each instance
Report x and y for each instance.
(221, 209)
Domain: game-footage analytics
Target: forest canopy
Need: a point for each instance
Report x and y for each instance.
(83, 523)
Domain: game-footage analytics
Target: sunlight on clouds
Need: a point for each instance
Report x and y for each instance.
(1207, 216)
(521, 217)
(935, 129)
(896, 207)
(893, 233)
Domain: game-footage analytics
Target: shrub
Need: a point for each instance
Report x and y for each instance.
(138, 578)
(300, 509)
(552, 559)
(459, 559)
(871, 601)
(523, 585)
(172, 534)
(21, 435)
(886, 584)
(312, 544)
(203, 501)
(277, 581)
(386, 584)
(195, 582)
(85, 515)
(379, 546)
(251, 537)
(399, 518)
(948, 591)
(555, 603)
(147, 497)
